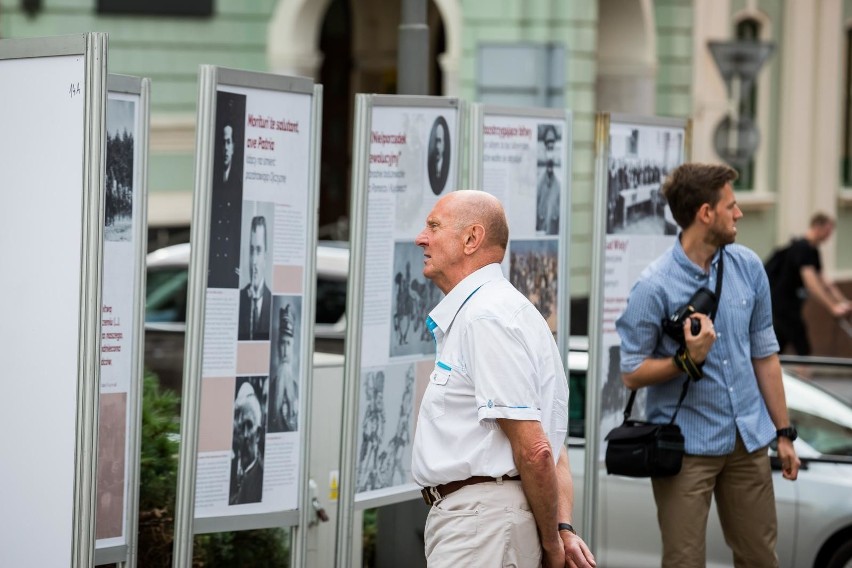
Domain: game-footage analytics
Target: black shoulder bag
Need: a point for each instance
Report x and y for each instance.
(643, 449)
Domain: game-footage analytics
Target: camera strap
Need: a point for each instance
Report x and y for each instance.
(712, 315)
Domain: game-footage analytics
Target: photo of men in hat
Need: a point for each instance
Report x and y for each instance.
(548, 188)
(284, 365)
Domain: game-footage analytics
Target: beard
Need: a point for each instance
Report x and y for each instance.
(721, 237)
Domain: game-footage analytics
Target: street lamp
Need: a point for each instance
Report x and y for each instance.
(737, 137)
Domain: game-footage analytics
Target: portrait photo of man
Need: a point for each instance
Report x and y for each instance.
(548, 188)
(438, 160)
(247, 443)
(255, 296)
(284, 364)
(227, 191)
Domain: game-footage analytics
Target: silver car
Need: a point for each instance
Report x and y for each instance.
(166, 297)
(814, 512)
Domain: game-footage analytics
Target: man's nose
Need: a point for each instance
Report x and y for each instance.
(420, 240)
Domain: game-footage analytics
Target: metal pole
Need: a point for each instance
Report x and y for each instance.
(413, 54)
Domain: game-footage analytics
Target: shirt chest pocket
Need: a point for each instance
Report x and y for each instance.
(434, 400)
(739, 310)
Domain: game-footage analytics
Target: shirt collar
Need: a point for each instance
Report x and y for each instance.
(686, 263)
(446, 310)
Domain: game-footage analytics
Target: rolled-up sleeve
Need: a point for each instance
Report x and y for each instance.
(762, 333)
(639, 327)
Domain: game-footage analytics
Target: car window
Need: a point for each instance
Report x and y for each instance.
(577, 404)
(331, 300)
(823, 420)
(165, 300)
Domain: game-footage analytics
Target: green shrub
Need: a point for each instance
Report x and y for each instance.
(158, 489)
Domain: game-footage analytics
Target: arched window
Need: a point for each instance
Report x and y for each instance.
(748, 30)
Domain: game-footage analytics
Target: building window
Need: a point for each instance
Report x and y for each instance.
(846, 159)
(748, 30)
(156, 7)
(521, 75)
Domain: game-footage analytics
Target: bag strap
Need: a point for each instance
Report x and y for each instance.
(719, 271)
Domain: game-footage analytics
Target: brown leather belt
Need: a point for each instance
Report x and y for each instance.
(433, 494)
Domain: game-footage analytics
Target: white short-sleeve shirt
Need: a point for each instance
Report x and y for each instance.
(496, 358)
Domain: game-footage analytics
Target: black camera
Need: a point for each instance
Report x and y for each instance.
(702, 302)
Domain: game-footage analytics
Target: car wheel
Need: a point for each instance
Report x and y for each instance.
(842, 557)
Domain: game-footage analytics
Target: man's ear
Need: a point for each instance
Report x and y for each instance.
(474, 236)
(704, 214)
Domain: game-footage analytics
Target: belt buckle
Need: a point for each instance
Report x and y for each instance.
(431, 495)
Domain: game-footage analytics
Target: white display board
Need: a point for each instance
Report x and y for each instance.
(523, 157)
(633, 226)
(53, 93)
(414, 160)
(122, 316)
(406, 156)
(252, 268)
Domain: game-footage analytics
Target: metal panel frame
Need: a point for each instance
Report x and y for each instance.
(591, 523)
(93, 48)
(141, 87)
(476, 169)
(186, 525)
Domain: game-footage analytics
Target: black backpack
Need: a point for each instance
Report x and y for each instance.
(774, 266)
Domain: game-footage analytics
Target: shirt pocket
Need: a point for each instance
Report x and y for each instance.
(739, 309)
(436, 393)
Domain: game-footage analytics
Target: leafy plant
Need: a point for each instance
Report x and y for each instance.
(157, 493)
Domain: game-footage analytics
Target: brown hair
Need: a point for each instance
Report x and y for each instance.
(692, 185)
(821, 220)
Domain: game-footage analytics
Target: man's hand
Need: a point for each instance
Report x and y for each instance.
(789, 460)
(841, 309)
(699, 345)
(577, 554)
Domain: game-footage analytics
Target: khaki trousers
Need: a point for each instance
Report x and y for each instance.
(484, 525)
(742, 484)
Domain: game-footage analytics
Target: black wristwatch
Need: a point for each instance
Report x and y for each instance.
(789, 432)
(567, 527)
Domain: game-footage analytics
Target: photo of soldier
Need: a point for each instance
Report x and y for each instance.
(548, 187)
(284, 364)
(384, 456)
(227, 191)
(413, 298)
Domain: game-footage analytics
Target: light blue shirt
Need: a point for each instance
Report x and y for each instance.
(727, 399)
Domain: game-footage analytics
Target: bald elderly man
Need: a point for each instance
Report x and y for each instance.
(247, 466)
(490, 437)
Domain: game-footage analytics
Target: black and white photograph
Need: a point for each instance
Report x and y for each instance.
(120, 149)
(413, 298)
(533, 270)
(284, 364)
(438, 159)
(640, 158)
(549, 174)
(227, 191)
(386, 433)
(256, 271)
(248, 443)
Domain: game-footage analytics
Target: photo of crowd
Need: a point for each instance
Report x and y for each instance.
(533, 270)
